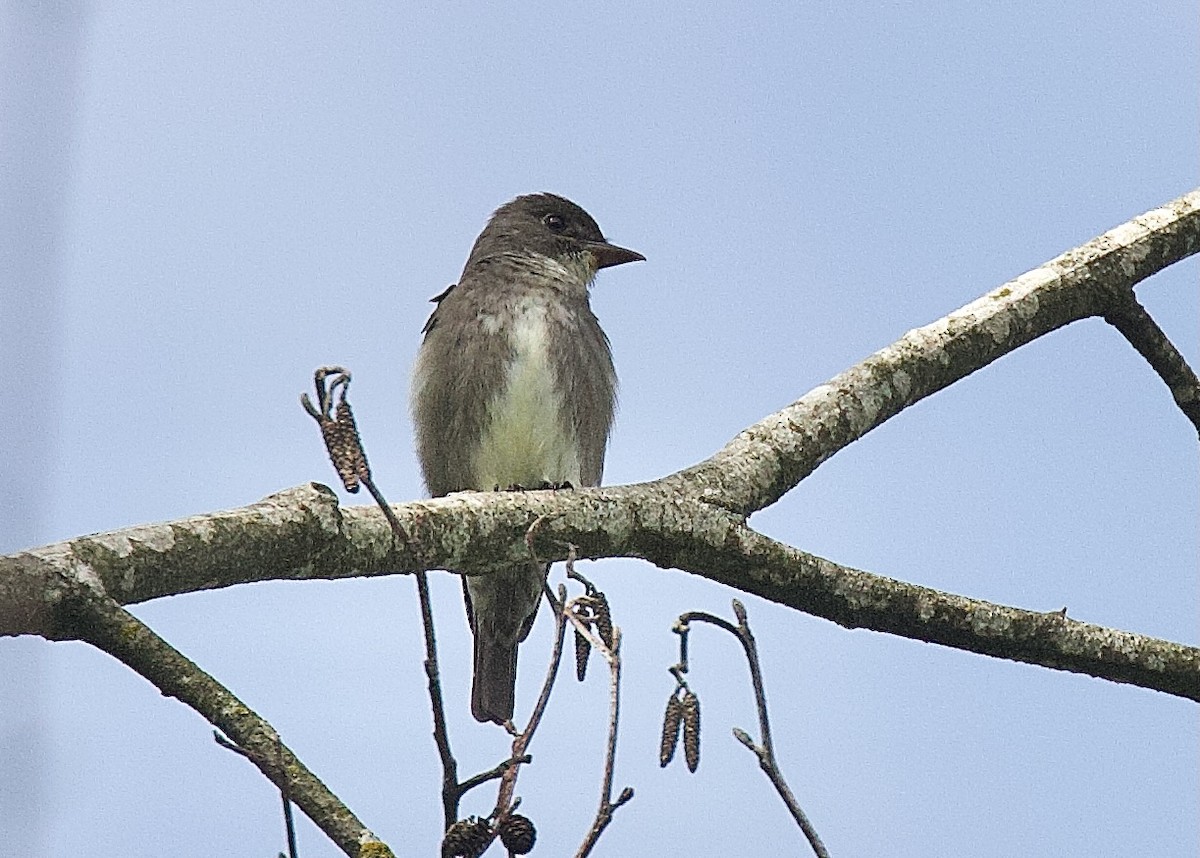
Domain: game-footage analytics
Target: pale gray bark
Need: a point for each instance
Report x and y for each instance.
(695, 519)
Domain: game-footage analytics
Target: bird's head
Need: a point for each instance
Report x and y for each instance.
(551, 226)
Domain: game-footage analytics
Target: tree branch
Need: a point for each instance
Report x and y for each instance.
(634, 521)
(694, 519)
(857, 599)
(90, 616)
(610, 648)
(764, 751)
(1130, 318)
(768, 459)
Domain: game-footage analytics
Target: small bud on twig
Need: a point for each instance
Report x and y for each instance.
(739, 611)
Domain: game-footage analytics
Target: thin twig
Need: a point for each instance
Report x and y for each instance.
(564, 613)
(539, 708)
(346, 451)
(1143, 333)
(491, 774)
(604, 813)
(289, 820)
(521, 742)
(559, 607)
(509, 770)
(765, 752)
(230, 746)
(344, 444)
(452, 790)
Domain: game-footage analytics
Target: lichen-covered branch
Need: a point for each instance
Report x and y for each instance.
(672, 532)
(88, 615)
(768, 459)
(857, 599)
(694, 519)
(1130, 318)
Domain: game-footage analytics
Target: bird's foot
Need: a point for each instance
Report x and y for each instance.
(543, 485)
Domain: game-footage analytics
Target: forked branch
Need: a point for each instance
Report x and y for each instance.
(683, 709)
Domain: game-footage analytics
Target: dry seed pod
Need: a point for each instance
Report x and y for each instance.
(583, 648)
(518, 834)
(344, 446)
(466, 838)
(672, 720)
(345, 418)
(341, 453)
(604, 626)
(691, 730)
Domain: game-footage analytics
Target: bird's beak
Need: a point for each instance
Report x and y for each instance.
(608, 255)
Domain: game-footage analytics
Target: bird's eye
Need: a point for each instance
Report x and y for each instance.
(555, 223)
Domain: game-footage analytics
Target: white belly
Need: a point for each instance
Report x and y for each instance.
(528, 442)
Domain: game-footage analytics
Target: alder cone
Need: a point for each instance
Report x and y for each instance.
(518, 834)
(466, 838)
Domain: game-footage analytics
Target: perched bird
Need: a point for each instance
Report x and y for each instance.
(514, 387)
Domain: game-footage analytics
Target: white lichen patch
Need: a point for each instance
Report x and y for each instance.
(998, 327)
(870, 402)
(989, 622)
(122, 543)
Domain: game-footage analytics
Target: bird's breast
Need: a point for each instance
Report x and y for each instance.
(529, 438)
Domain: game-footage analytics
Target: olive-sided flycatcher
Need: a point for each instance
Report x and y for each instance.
(514, 386)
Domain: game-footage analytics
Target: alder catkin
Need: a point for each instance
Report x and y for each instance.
(691, 730)
(672, 720)
(583, 648)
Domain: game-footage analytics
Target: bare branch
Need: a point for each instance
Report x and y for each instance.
(768, 459)
(764, 751)
(857, 599)
(452, 790)
(522, 740)
(491, 774)
(1131, 319)
(610, 647)
(289, 822)
(106, 625)
(694, 519)
(695, 537)
(348, 455)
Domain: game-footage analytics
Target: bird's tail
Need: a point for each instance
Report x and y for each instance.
(495, 680)
(502, 607)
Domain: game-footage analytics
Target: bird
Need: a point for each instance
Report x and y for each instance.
(514, 387)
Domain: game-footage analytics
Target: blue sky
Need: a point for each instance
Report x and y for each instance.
(233, 196)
